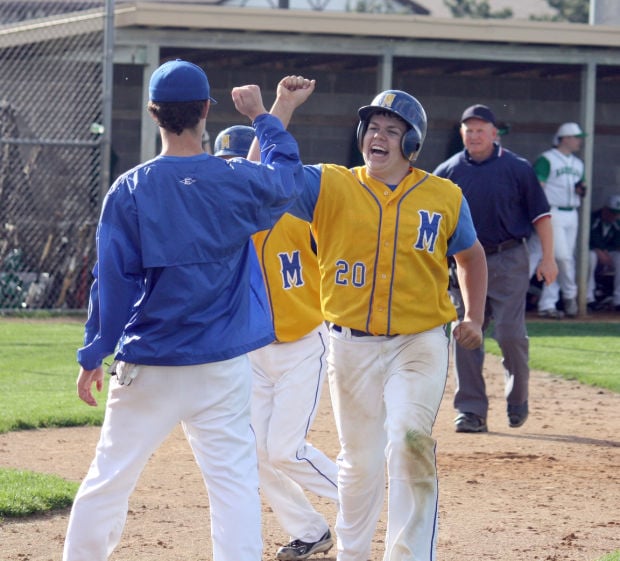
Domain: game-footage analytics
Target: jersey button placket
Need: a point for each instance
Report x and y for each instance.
(379, 316)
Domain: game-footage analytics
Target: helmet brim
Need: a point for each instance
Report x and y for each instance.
(368, 111)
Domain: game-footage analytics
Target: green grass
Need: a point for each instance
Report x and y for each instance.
(615, 556)
(587, 352)
(23, 493)
(38, 370)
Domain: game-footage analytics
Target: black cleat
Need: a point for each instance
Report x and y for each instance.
(470, 422)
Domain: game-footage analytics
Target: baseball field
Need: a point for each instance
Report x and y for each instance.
(547, 491)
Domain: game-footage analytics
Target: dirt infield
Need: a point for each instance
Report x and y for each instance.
(549, 490)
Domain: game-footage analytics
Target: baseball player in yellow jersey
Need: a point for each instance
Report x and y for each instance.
(384, 232)
(289, 374)
(288, 380)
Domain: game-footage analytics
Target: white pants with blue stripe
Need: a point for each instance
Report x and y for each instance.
(386, 393)
(288, 382)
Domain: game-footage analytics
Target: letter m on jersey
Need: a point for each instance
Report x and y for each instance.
(428, 231)
(291, 269)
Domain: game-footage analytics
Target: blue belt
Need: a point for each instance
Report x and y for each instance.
(566, 207)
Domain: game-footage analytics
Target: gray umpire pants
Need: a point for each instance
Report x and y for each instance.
(505, 308)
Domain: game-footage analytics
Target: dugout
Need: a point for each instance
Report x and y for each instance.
(534, 75)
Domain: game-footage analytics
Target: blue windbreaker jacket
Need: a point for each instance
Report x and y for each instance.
(177, 280)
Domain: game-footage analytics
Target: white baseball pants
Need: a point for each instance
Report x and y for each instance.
(565, 225)
(535, 253)
(212, 402)
(288, 381)
(386, 393)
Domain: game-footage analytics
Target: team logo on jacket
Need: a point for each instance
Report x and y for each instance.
(291, 270)
(188, 181)
(428, 230)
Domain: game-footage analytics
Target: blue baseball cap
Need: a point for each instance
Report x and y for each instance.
(179, 80)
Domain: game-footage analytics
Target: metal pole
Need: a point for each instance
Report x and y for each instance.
(107, 79)
(149, 131)
(588, 97)
(385, 75)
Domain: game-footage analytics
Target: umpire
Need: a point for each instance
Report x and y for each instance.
(506, 202)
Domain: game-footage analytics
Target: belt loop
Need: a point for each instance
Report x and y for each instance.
(344, 331)
(348, 332)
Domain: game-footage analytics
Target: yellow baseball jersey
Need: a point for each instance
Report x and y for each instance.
(383, 253)
(291, 273)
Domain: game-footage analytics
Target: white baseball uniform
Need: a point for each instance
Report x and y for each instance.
(288, 380)
(558, 174)
(384, 277)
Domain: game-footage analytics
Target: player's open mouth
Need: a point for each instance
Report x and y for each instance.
(378, 150)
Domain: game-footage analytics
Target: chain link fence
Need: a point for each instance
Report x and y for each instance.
(51, 150)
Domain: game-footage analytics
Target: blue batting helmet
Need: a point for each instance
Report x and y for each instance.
(234, 141)
(405, 106)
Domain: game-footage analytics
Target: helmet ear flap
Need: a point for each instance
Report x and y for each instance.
(361, 131)
(410, 144)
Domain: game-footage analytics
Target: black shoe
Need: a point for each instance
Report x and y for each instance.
(470, 422)
(517, 414)
(302, 550)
